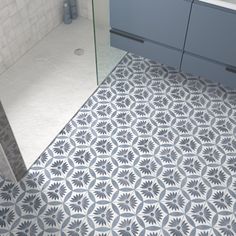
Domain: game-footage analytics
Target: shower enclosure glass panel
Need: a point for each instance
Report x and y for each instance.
(107, 57)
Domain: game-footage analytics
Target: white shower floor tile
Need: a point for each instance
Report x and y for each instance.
(47, 86)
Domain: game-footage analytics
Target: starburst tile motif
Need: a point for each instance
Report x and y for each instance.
(151, 153)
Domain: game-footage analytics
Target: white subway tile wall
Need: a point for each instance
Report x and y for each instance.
(23, 23)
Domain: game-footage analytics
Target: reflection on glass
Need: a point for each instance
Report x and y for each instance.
(107, 56)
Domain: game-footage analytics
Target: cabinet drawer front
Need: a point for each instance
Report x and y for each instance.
(212, 34)
(209, 70)
(162, 54)
(163, 21)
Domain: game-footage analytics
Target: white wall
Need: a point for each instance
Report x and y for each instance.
(101, 11)
(85, 8)
(22, 24)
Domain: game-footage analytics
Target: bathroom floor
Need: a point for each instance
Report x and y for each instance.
(152, 153)
(48, 85)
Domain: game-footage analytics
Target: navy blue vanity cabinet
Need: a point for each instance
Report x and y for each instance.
(212, 33)
(148, 49)
(155, 29)
(163, 21)
(210, 49)
(195, 37)
(211, 70)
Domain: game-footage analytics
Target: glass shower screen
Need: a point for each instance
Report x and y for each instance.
(107, 57)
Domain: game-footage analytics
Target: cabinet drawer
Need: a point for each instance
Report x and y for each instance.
(163, 21)
(147, 49)
(209, 70)
(212, 34)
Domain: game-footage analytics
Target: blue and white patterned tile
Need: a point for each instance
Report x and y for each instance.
(152, 153)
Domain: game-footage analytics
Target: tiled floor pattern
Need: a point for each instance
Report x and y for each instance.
(152, 152)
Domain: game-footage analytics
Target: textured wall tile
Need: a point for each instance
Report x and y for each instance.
(2, 65)
(5, 168)
(10, 155)
(90, 10)
(23, 23)
(83, 7)
(3, 3)
(20, 4)
(4, 13)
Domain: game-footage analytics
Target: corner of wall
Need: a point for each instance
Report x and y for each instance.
(22, 24)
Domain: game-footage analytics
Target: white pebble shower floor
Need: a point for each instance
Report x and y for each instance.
(48, 85)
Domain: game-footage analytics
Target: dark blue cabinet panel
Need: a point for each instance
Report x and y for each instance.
(210, 70)
(197, 37)
(147, 49)
(163, 21)
(212, 34)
